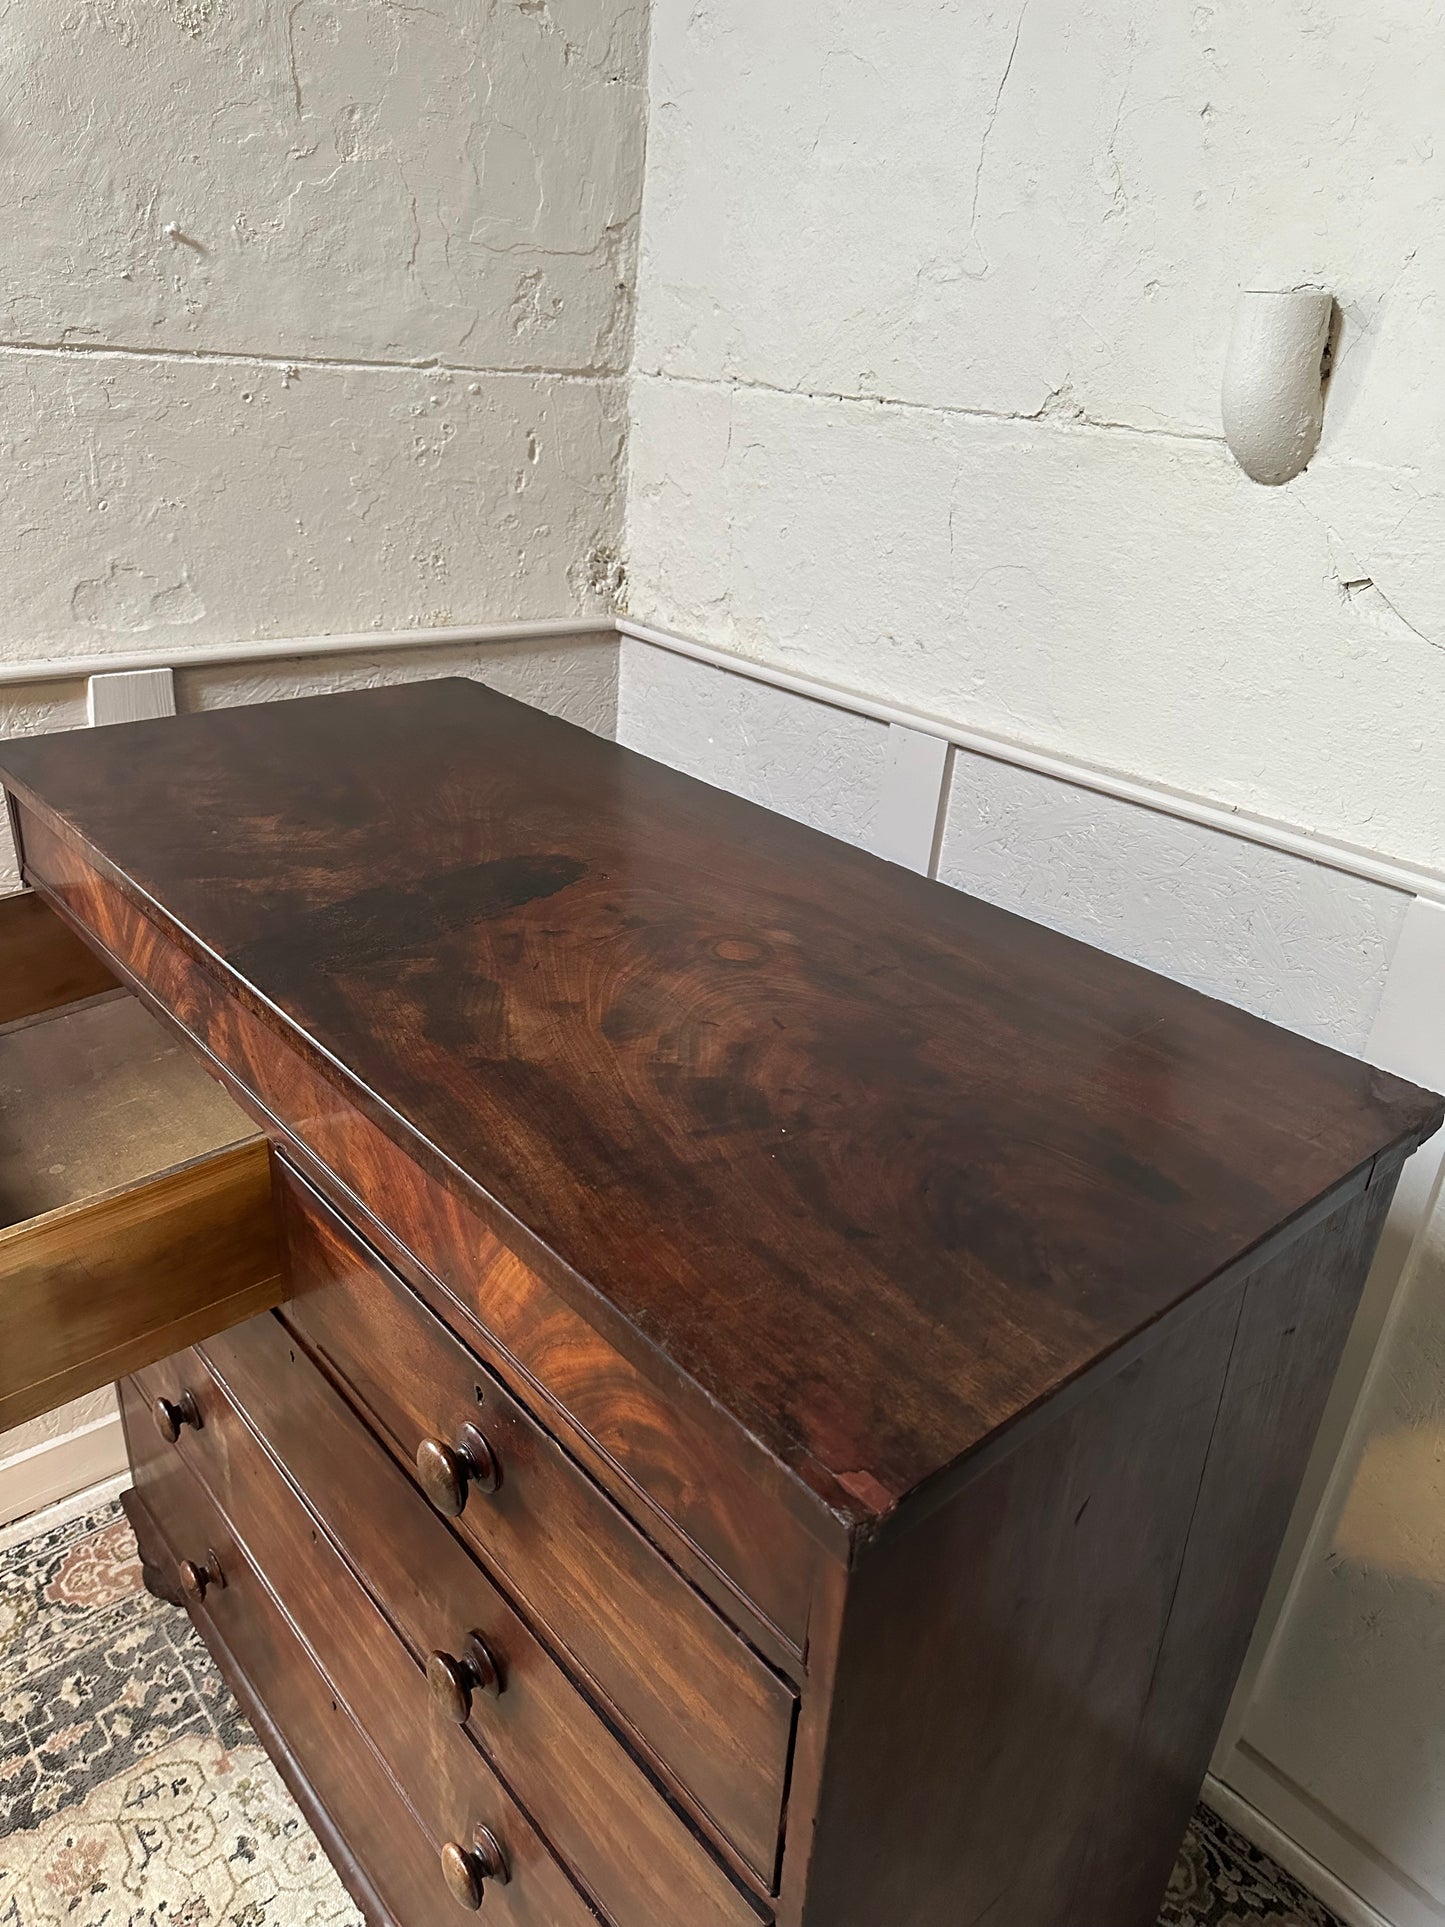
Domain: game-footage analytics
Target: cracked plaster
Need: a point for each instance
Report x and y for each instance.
(929, 356)
(326, 179)
(327, 329)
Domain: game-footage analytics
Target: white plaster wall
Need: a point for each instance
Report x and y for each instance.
(325, 178)
(314, 315)
(315, 319)
(167, 501)
(933, 306)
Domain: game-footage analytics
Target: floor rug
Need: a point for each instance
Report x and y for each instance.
(133, 1794)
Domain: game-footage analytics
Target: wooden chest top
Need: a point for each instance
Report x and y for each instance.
(877, 1165)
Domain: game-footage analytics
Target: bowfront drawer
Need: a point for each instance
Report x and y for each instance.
(635, 1855)
(481, 1845)
(135, 1197)
(711, 1715)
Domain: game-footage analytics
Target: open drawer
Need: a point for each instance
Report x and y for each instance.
(135, 1197)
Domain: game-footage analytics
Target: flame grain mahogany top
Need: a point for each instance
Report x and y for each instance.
(880, 1166)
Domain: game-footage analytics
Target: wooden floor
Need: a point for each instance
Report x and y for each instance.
(131, 1788)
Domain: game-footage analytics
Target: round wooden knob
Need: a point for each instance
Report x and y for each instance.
(447, 1472)
(450, 1687)
(452, 1681)
(170, 1414)
(466, 1881)
(197, 1580)
(467, 1870)
(443, 1478)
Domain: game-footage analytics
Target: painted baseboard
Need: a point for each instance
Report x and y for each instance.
(1269, 832)
(89, 1499)
(1407, 1906)
(58, 1469)
(1287, 837)
(366, 642)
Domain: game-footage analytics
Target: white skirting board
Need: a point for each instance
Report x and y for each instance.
(1238, 1813)
(89, 1498)
(57, 1469)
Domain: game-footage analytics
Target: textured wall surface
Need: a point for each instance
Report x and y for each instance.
(930, 346)
(232, 231)
(157, 503)
(347, 179)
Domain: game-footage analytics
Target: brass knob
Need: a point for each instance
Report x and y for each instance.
(170, 1414)
(466, 1870)
(448, 1471)
(452, 1681)
(197, 1580)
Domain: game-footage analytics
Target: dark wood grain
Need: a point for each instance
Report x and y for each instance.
(42, 963)
(747, 1534)
(1030, 1681)
(600, 1810)
(874, 1165)
(446, 1783)
(1294, 1318)
(696, 1696)
(787, 1257)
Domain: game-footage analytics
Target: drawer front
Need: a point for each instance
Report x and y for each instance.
(627, 1846)
(280, 1688)
(443, 1778)
(711, 1713)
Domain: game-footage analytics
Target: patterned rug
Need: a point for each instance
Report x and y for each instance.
(133, 1794)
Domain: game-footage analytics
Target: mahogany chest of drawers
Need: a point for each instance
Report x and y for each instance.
(696, 1379)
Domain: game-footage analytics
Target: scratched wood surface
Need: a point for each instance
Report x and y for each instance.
(878, 1166)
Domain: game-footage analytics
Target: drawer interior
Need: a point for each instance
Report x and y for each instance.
(135, 1196)
(98, 1096)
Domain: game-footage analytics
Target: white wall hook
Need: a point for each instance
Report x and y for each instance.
(1274, 377)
